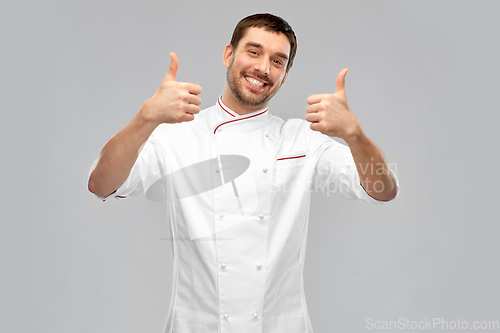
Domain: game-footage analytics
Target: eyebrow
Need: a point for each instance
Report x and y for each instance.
(259, 46)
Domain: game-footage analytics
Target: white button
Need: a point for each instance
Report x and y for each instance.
(225, 315)
(259, 266)
(221, 215)
(261, 216)
(223, 266)
(265, 170)
(217, 170)
(255, 315)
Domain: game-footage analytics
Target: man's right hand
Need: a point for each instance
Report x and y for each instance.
(174, 102)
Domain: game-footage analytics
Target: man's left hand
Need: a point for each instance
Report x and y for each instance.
(330, 114)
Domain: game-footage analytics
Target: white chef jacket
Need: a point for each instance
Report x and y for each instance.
(237, 190)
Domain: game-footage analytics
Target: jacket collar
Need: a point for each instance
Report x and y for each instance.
(225, 117)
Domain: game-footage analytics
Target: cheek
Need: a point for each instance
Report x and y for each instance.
(242, 61)
(279, 80)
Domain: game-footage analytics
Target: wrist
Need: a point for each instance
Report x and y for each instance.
(146, 115)
(355, 136)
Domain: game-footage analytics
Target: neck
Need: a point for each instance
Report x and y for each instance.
(230, 101)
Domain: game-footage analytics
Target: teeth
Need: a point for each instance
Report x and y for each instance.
(254, 82)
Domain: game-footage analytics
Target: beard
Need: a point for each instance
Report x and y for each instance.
(248, 99)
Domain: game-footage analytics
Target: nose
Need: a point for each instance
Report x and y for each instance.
(262, 65)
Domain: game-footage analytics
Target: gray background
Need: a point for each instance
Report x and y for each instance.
(422, 81)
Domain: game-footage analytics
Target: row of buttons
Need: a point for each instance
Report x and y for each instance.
(223, 266)
(225, 315)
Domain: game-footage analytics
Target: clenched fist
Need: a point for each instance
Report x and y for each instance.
(330, 114)
(174, 102)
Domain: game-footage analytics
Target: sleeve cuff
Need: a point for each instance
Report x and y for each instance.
(370, 199)
(112, 195)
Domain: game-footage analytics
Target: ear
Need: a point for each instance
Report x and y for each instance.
(226, 56)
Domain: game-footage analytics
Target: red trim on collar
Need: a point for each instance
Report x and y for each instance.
(230, 121)
(218, 101)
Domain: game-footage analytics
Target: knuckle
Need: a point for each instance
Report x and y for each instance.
(177, 117)
(170, 85)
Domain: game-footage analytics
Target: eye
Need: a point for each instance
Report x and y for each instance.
(253, 52)
(278, 62)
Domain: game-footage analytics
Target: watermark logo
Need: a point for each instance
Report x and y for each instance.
(334, 179)
(439, 324)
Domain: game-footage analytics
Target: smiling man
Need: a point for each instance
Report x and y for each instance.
(260, 58)
(237, 182)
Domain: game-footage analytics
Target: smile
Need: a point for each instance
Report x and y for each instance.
(255, 82)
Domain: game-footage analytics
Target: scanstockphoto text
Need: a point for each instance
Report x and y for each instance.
(439, 324)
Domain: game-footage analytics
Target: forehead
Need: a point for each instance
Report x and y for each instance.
(271, 41)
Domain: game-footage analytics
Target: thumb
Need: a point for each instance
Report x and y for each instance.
(340, 88)
(172, 70)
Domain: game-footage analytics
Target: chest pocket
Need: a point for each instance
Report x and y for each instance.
(289, 172)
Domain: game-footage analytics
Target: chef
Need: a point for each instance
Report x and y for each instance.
(237, 183)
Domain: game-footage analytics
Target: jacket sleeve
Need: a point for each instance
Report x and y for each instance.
(335, 172)
(148, 168)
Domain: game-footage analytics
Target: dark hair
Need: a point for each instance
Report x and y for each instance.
(270, 23)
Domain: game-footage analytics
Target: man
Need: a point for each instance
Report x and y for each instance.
(237, 182)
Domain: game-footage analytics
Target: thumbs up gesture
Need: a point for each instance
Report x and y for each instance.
(173, 102)
(330, 114)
